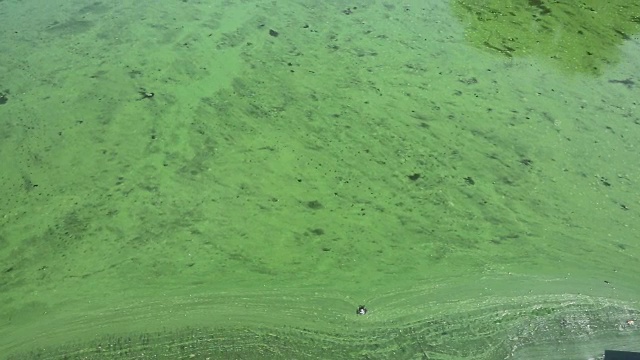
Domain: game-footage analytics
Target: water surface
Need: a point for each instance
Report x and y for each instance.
(469, 173)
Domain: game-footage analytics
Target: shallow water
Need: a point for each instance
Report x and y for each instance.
(468, 173)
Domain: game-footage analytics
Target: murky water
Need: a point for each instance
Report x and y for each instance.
(468, 173)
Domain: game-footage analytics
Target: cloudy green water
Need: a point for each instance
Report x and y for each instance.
(467, 172)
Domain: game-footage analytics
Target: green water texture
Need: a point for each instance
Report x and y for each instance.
(468, 171)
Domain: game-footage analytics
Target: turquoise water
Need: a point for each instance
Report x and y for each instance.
(469, 173)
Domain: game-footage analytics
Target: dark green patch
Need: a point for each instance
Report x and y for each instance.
(314, 204)
(558, 32)
(317, 231)
(544, 10)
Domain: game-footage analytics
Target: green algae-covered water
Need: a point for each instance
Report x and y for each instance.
(233, 179)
